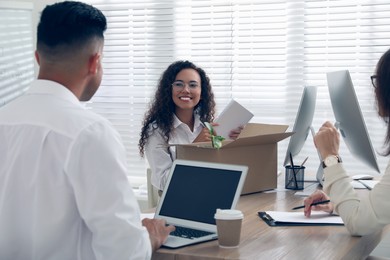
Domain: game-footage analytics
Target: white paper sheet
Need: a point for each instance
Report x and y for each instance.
(233, 116)
(317, 217)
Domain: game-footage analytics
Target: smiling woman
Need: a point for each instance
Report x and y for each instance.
(186, 96)
(183, 100)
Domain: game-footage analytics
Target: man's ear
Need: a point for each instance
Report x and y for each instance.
(93, 63)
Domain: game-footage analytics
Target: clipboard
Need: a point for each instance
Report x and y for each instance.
(318, 220)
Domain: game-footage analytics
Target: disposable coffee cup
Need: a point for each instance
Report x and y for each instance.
(229, 223)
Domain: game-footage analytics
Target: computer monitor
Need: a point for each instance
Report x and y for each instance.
(303, 122)
(349, 118)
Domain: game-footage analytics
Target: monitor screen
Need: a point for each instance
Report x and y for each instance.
(349, 118)
(302, 123)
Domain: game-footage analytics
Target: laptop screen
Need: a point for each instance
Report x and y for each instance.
(195, 192)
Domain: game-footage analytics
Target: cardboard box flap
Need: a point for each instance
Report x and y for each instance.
(255, 129)
(260, 139)
(252, 134)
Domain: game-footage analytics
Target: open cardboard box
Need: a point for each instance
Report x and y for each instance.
(256, 147)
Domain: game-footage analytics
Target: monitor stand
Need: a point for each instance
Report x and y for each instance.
(320, 174)
(320, 170)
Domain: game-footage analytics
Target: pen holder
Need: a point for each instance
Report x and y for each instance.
(295, 177)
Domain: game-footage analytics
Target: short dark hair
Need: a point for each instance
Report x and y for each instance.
(69, 24)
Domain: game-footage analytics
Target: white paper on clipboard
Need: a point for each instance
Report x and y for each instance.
(233, 116)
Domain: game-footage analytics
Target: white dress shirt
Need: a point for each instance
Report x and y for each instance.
(361, 214)
(64, 193)
(160, 156)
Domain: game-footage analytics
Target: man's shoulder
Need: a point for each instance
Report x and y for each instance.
(83, 119)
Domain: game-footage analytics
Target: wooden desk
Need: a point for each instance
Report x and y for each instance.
(260, 241)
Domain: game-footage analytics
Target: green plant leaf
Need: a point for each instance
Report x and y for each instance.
(209, 127)
(216, 140)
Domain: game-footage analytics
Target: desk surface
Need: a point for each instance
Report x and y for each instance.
(260, 240)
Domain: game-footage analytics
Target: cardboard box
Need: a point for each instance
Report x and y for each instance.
(256, 147)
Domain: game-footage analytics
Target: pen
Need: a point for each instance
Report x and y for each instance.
(313, 204)
(293, 169)
(304, 161)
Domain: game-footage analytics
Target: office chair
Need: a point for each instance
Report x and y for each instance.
(152, 191)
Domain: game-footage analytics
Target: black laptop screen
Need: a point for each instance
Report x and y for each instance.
(194, 193)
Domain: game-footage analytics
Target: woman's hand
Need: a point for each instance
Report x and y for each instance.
(317, 196)
(327, 140)
(235, 132)
(205, 135)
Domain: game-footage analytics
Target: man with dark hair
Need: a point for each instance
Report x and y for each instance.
(64, 193)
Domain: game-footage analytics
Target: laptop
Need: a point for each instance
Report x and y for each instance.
(193, 193)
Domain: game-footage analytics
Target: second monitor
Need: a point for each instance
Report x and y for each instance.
(349, 118)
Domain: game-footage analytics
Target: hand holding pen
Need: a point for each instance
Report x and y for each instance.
(313, 204)
(317, 196)
(204, 135)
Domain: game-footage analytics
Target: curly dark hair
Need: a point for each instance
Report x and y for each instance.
(382, 93)
(162, 108)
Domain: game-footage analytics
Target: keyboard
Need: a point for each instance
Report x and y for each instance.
(189, 232)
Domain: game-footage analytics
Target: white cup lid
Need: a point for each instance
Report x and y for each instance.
(228, 214)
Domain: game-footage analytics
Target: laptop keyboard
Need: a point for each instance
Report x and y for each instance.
(189, 232)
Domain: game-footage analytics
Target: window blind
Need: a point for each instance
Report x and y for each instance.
(346, 35)
(260, 53)
(16, 50)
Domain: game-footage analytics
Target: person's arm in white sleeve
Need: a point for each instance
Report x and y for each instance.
(159, 158)
(96, 169)
(361, 215)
